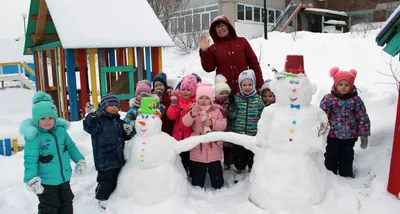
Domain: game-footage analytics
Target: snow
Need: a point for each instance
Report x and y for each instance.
(389, 20)
(12, 49)
(335, 22)
(107, 25)
(321, 51)
(340, 13)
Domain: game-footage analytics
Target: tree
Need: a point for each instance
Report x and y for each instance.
(164, 9)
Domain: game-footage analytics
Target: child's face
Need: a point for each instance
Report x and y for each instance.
(186, 93)
(158, 86)
(247, 86)
(268, 97)
(223, 95)
(204, 101)
(112, 109)
(343, 87)
(46, 123)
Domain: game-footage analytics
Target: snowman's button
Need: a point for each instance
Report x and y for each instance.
(144, 143)
(142, 161)
(142, 150)
(291, 131)
(294, 122)
(290, 139)
(142, 155)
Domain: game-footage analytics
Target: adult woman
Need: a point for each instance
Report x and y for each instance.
(229, 55)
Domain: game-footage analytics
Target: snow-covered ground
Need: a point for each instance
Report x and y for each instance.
(321, 52)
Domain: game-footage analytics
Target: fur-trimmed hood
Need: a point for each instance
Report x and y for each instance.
(30, 130)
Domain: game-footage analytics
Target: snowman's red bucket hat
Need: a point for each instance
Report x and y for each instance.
(294, 65)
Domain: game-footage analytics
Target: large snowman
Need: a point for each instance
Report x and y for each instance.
(288, 171)
(153, 171)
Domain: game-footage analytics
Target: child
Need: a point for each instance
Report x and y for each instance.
(142, 87)
(181, 103)
(206, 156)
(163, 91)
(108, 133)
(222, 91)
(266, 94)
(48, 150)
(348, 120)
(249, 107)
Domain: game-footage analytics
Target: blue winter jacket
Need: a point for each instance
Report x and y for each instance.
(108, 139)
(47, 154)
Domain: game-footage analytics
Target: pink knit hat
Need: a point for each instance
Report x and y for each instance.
(204, 89)
(143, 86)
(189, 82)
(339, 76)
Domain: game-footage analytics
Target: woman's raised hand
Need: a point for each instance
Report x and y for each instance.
(204, 42)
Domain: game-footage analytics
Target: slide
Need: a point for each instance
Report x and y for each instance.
(25, 81)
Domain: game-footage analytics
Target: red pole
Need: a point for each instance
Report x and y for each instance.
(394, 173)
(121, 62)
(154, 61)
(84, 97)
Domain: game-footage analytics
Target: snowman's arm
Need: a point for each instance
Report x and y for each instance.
(249, 142)
(189, 143)
(263, 126)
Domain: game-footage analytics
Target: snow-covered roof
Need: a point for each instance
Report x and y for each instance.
(389, 21)
(105, 23)
(340, 13)
(12, 50)
(335, 22)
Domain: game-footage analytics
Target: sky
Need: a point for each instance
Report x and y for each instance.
(11, 21)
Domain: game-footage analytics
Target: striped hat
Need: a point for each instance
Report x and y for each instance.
(109, 100)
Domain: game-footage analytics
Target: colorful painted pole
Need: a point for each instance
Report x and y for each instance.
(148, 63)
(394, 173)
(83, 75)
(72, 92)
(93, 77)
(155, 61)
(64, 82)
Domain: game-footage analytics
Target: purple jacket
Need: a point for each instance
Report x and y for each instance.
(347, 115)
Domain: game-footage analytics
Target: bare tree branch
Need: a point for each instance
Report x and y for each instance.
(164, 9)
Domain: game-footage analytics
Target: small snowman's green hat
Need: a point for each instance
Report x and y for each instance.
(149, 105)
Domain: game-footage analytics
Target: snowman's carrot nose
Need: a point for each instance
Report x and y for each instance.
(142, 123)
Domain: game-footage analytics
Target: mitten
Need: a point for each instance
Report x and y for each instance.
(145, 94)
(364, 142)
(90, 108)
(203, 116)
(128, 128)
(80, 167)
(323, 129)
(175, 97)
(35, 186)
(159, 94)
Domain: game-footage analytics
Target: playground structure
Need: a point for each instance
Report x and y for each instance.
(73, 61)
(389, 36)
(24, 75)
(8, 146)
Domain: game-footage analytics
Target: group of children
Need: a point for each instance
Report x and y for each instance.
(192, 109)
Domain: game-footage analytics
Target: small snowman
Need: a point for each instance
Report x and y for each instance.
(288, 171)
(153, 171)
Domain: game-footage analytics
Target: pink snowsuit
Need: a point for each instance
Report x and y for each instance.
(206, 152)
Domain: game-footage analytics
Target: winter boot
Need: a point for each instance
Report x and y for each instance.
(103, 203)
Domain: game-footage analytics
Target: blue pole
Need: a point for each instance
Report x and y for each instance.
(71, 81)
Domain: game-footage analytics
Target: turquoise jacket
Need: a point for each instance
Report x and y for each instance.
(47, 154)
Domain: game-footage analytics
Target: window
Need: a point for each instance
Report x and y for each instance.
(361, 18)
(277, 14)
(213, 15)
(196, 22)
(188, 23)
(174, 26)
(271, 16)
(240, 14)
(213, 7)
(249, 13)
(257, 14)
(198, 10)
(181, 25)
(205, 21)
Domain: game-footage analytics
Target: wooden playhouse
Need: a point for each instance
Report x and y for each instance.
(84, 49)
(389, 37)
